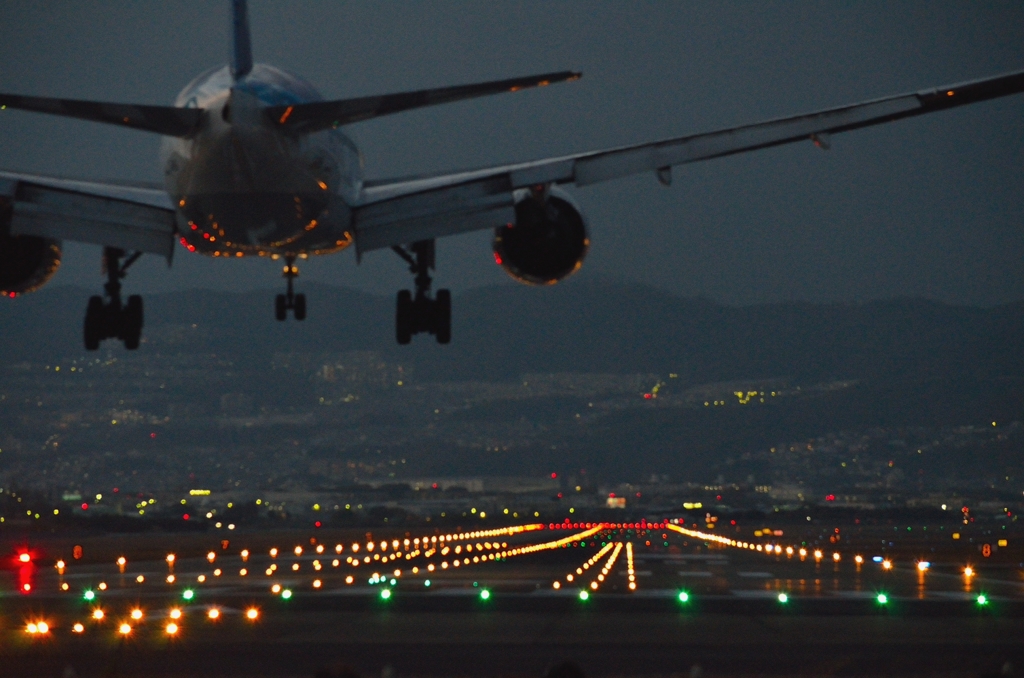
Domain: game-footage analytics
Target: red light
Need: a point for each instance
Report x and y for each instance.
(497, 259)
(185, 516)
(316, 524)
(648, 396)
(830, 497)
(151, 435)
(85, 507)
(554, 475)
(12, 294)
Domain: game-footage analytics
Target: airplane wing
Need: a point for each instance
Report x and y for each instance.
(130, 217)
(402, 211)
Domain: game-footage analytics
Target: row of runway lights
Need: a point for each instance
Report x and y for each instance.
(439, 543)
(777, 550)
(173, 623)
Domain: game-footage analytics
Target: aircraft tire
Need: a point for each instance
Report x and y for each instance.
(300, 307)
(132, 322)
(443, 316)
(403, 317)
(281, 308)
(93, 323)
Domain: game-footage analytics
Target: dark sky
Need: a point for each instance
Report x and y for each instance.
(930, 207)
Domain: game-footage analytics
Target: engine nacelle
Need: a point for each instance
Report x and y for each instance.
(26, 262)
(548, 241)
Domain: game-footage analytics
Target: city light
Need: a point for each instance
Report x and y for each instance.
(213, 613)
(923, 565)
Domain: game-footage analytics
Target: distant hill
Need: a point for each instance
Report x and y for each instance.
(501, 332)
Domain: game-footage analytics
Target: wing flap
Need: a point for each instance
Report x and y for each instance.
(468, 207)
(62, 214)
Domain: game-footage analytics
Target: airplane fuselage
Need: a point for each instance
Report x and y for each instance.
(243, 186)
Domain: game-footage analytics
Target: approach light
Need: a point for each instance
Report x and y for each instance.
(78, 628)
(97, 614)
(252, 613)
(175, 613)
(124, 629)
(171, 628)
(968, 571)
(213, 613)
(923, 565)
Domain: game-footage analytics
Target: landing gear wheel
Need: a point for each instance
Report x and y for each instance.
(281, 307)
(404, 317)
(93, 329)
(131, 322)
(110, 319)
(300, 307)
(443, 316)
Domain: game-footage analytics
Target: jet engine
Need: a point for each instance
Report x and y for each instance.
(548, 240)
(26, 262)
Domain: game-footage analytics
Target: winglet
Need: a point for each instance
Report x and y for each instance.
(241, 47)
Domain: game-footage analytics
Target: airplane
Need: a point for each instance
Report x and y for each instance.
(255, 163)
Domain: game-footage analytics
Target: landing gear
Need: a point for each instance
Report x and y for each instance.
(296, 303)
(421, 313)
(111, 319)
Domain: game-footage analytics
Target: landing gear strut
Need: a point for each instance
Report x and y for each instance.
(422, 313)
(296, 303)
(111, 319)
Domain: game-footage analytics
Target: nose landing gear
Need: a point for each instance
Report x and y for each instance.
(421, 313)
(111, 319)
(296, 303)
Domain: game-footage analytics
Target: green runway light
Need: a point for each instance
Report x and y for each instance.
(426, 583)
(187, 594)
(485, 594)
(584, 595)
(286, 594)
(89, 595)
(684, 597)
(393, 581)
(882, 599)
(783, 598)
(385, 594)
(982, 599)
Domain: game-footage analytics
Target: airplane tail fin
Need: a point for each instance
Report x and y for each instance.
(241, 46)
